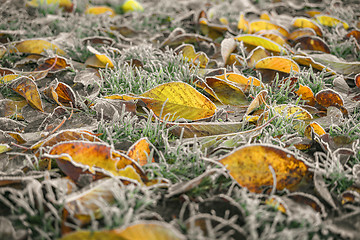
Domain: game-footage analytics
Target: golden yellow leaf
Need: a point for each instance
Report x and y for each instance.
(251, 165)
(290, 111)
(99, 60)
(301, 32)
(4, 148)
(258, 100)
(256, 40)
(180, 100)
(27, 88)
(243, 24)
(224, 91)
(67, 4)
(315, 128)
(255, 55)
(301, 22)
(260, 25)
(36, 46)
(275, 37)
(330, 21)
(241, 80)
(96, 10)
(140, 151)
(306, 94)
(281, 64)
(150, 230)
(188, 51)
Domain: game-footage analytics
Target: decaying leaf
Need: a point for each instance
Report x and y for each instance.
(250, 167)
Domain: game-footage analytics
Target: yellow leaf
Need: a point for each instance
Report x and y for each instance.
(96, 10)
(188, 51)
(242, 23)
(293, 111)
(180, 100)
(27, 88)
(255, 40)
(306, 94)
(67, 4)
(140, 151)
(251, 165)
(330, 21)
(150, 230)
(4, 148)
(315, 128)
(132, 6)
(307, 23)
(280, 64)
(260, 25)
(241, 80)
(98, 60)
(36, 46)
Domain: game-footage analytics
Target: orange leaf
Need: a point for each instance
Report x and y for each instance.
(357, 80)
(27, 88)
(329, 97)
(280, 64)
(98, 60)
(61, 93)
(140, 151)
(306, 94)
(314, 127)
(99, 159)
(250, 167)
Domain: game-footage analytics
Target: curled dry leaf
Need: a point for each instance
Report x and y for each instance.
(53, 64)
(224, 91)
(188, 51)
(258, 100)
(61, 93)
(98, 60)
(255, 40)
(280, 64)
(314, 128)
(228, 45)
(27, 88)
(337, 64)
(250, 167)
(98, 159)
(357, 80)
(255, 55)
(309, 200)
(309, 61)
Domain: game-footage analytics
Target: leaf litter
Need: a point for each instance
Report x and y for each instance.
(186, 120)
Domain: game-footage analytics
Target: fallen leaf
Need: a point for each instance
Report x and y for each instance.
(188, 51)
(307, 23)
(61, 93)
(225, 91)
(98, 60)
(243, 24)
(336, 64)
(314, 128)
(27, 88)
(36, 46)
(140, 151)
(97, 10)
(255, 40)
(328, 97)
(259, 25)
(255, 55)
(281, 64)
(250, 166)
(258, 100)
(228, 45)
(306, 94)
(301, 32)
(330, 21)
(66, 4)
(309, 61)
(180, 100)
(313, 43)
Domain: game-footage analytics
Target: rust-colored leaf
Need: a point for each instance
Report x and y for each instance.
(357, 80)
(61, 93)
(329, 97)
(312, 43)
(27, 88)
(250, 167)
(54, 64)
(301, 32)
